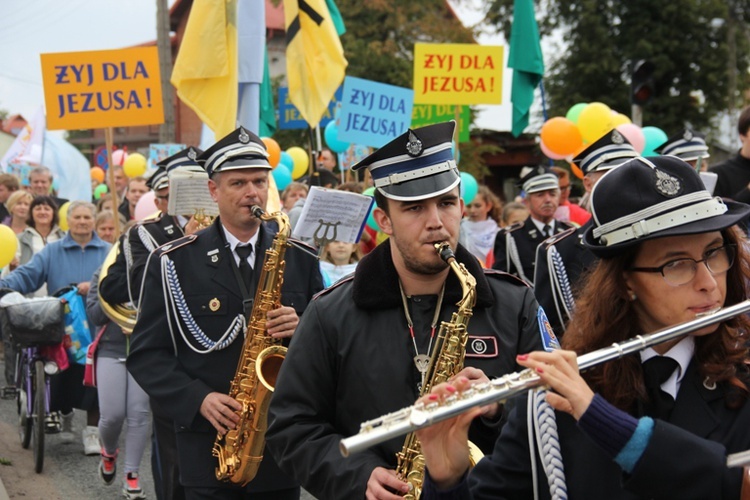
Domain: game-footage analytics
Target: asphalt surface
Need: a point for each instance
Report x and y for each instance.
(68, 473)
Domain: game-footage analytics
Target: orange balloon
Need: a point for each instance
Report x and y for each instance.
(274, 150)
(561, 136)
(97, 173)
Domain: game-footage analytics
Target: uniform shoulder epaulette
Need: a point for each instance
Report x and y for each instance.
(305, 247)
(513, 227)
(558, 237)
(336, 285)
(178, 243)
(152, 218)
(502, 275)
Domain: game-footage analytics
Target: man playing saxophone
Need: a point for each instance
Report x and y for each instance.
(198, 291)
(364, 345)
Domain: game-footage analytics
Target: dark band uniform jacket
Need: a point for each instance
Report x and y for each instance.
(527, 238)
(180, 380)
(693, 442)
(351, 360)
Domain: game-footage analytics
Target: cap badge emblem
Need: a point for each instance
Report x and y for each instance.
(617, 137)
(244, 138)
(414, 146)
(214, 304)
(688, 135)
(666, 184)
(192, 154)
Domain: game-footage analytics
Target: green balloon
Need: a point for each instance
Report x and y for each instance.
(573, 112)
(100, 190)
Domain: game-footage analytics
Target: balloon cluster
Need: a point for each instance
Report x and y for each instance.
(287, 165)
(563, 137)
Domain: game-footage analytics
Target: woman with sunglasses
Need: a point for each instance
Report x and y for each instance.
(655, 424)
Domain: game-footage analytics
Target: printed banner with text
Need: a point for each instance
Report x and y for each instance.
(453, 73)
(103, 88)
(372, 113)
(427, 114)
(290, 117)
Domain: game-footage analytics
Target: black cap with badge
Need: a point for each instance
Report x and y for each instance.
(537, 179)
(653, 197)
(607, 152)
(416, 165)
(240, 149)
(186, 158)
(688, 145)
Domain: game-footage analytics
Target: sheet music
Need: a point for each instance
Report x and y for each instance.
(333, 215)
(188, 193)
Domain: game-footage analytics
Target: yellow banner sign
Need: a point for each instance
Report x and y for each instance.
(454, 73)
(103, 88)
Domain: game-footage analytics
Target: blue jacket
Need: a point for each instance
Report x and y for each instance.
(59, 264)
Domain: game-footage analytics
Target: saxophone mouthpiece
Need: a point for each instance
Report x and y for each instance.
(257, 211)
(445, 251)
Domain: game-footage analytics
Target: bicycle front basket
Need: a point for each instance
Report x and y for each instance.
(33, 322)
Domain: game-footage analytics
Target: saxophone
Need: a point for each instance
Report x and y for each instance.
(447, 360)
(240, 450)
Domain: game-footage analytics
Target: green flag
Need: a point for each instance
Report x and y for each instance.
(338, 21)
(267, 108)
(526, 60)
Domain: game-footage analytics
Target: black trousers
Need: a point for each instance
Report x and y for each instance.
(166, 444)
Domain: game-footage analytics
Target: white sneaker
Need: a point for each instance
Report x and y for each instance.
(66, 431)
(91, 440)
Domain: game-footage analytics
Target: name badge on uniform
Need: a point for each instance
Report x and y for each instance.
(480, 346)
(549, 340)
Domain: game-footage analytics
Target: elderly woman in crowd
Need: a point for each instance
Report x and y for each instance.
(69, 261)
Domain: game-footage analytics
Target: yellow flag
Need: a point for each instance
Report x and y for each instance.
(315, 62)
(205, 72)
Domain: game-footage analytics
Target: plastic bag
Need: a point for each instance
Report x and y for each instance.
(77, 332)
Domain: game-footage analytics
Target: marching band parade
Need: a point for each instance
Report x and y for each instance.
(373, 298)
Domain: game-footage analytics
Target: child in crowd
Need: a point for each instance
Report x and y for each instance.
(514, 212)
(337, 260)
(479, 227)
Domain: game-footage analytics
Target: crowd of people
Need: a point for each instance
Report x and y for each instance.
(366, 324)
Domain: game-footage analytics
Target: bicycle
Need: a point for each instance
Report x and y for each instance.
(33, 324)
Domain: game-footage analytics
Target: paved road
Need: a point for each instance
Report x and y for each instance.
(68, 473)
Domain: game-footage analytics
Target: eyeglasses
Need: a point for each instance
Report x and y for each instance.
(681, 271)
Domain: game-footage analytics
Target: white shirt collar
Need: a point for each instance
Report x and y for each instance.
(233, 242)
(540, 225)
(682, 352)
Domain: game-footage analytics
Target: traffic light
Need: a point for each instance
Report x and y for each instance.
(642, 87)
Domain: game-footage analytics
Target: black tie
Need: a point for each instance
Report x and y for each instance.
(656, 371)
(246, 271)
(546, 231)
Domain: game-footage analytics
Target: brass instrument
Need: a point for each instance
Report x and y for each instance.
(446, 361)
(240, 450)
(122, 315)
(419, 416)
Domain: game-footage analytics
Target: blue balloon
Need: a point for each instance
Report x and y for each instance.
(286, 159)
(331, 134)
(469, 187)
(282, 176)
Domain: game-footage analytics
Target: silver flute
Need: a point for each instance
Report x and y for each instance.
(422, 415)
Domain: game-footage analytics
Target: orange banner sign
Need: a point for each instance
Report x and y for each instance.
(104, 88)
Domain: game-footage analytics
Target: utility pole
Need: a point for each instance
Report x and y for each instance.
(167, 130)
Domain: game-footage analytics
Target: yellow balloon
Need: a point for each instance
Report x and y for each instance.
(8, 245)
(620, 119)
(594, 121)
(301, 161)
(135, 165)
(62, 215)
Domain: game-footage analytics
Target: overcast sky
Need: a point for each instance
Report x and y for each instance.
(32, 27)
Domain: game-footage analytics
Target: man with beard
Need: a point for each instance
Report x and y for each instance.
(515, 247)
(358, 351)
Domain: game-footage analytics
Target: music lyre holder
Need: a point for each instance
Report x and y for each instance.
(322, 233)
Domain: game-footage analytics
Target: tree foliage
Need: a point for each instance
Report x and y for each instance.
(691, 42)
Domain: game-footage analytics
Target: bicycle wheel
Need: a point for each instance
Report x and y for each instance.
(40, 410)
(22, 400)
